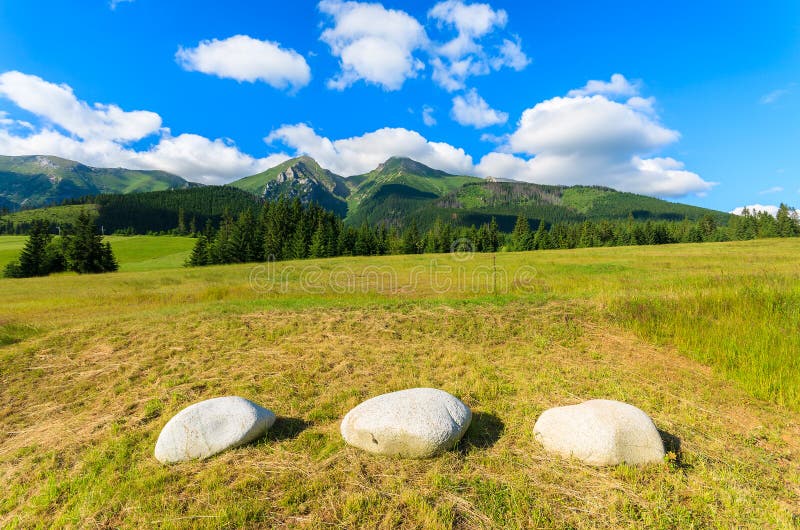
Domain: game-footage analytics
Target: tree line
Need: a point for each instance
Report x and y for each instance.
(287, 229)
(82, 251)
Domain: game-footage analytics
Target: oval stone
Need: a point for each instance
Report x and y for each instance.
(209, 427)
(600, 432)
(413, 423)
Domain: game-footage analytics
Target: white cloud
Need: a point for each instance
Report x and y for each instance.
(98, 135)
(754, 208)
(427, 116)
(773, 189)
(645, 105)
(372, 43)
(473, 20)
(618, 86)
(114, 3)
(594, 140)
(465, 55)
(360, 154)
(244, 58)
(588, 125)
(775, 95)
(511, 55)
(473, 110)
(203, 160)
(58, 105)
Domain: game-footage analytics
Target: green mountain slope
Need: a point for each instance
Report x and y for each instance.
(396, 188)
(154, 211)
(31, 181)
(396, 193)
(300, 177)
(477, 203)
(402, 189)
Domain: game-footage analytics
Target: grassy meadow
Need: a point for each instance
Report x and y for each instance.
(704, 338)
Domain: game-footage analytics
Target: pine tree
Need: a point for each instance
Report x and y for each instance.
(200, 253)
(365, 241)
(221, 248)
(411, 239)
(86, 252)
(181, 229)
(33, 259)
(318, 248)
(493, 236)
(540, 238)
(786, 226)
(521, 235)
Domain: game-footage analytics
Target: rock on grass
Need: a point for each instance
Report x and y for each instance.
(600, 432)
(413, 423)
(209, 427)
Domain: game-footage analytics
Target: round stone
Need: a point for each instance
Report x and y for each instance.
(413, 423)
(209, 427)
(600, 432)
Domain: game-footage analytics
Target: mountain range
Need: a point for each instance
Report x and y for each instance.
(396, 192)
(31, 181)
(402, 189)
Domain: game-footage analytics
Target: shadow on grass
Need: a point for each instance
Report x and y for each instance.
(286, 428)
(672, 444)
(484, 431)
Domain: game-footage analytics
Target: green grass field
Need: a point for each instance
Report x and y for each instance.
(704, 338)
(134, 253)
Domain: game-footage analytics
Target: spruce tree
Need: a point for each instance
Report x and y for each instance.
(540, 238)
(520, 236)
(33, 259)
(411, 239)
(786, 226)
(86, 252)
(200, 253)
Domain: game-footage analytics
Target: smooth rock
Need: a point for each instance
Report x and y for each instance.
(600, 432)
(208, 427)
(413, 423)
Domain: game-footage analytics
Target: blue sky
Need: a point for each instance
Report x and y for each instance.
(693, 101)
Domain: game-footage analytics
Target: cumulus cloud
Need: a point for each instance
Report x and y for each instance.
(755, 208)
(244, 58)
(465, 55)
(471, 109)
(100, 135)
(58, 105)
(587, 138)
(427, 116)
(617, 86)
(373, 44)
(360, 154)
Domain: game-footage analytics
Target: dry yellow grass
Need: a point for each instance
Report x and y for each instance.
(99, 366)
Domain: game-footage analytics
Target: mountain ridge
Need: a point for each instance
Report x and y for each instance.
(401, 189)
(38, 180)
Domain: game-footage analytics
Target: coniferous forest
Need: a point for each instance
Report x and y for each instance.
(288, 229)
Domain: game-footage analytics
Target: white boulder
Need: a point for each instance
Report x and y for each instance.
(208, 427)
(413, 423)
(600, 432)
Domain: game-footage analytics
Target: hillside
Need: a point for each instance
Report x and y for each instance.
(154, 211)
(402, 189)
(478, 202)
(87, 387)
(300, 177)
(393, 191)
(30, 181)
